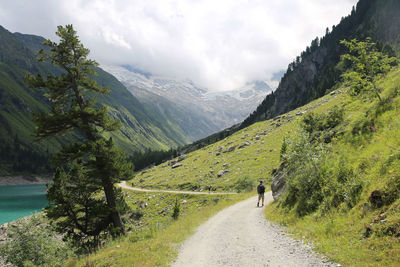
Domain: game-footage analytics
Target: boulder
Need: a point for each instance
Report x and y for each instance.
(278, 184)
(172, 162)
(230, 149)
(142, 204)
(247, 143)
(176, 165)
(220, 173)
(219, 149)
(182, 157)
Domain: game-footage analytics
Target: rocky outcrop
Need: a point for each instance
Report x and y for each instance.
(230, 149)
(221, 173)
(278, 184)
(176, 165)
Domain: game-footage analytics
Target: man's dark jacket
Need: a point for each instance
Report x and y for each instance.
(260, 189)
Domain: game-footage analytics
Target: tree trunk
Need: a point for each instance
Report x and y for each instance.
(377, 92)
(112, 204)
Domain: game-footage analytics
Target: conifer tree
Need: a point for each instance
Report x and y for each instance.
(82, 197)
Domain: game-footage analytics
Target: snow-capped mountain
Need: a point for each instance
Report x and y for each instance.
(198, 111)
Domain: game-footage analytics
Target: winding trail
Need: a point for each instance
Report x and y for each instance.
(240, 236)
(125, 186)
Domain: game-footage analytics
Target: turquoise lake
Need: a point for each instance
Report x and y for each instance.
(17, 201)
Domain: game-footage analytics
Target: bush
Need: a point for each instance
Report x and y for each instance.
(176, 211)
(315, 180)
(323, 127)
(244, 184)
(34, 242)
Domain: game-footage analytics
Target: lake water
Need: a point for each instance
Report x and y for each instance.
(17, 201)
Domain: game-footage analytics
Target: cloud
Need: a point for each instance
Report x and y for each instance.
(219, 45)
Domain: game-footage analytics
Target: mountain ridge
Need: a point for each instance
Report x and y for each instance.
(140, 129)
(213, 111)
(314, 72)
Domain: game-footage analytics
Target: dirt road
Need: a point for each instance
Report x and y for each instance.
(241, 236)
(125, 186)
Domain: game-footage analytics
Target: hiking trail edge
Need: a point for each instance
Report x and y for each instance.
(125, 186)
(240, 236)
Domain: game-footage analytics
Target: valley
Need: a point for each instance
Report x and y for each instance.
(325, 142)
(197, 111)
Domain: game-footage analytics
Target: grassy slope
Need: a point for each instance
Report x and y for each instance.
(339, 234)
(153, 242)
(154, 239)
(375, 158)
(255, 161)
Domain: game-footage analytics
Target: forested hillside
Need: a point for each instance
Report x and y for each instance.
(19, 153)
(313, 73)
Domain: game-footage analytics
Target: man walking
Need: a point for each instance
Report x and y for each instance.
(260, 191)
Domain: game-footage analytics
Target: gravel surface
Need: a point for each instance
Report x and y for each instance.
(240, 236)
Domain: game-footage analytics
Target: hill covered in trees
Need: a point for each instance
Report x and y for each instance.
(19, 153)
(314, 73)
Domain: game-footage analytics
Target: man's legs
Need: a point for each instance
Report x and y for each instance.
(260, 196)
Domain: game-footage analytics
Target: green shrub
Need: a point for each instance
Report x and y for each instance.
(304, 181)
(392, 190)
(315, 180)
(323, 127)
(34, 242)
(177, 209)
(244, 184)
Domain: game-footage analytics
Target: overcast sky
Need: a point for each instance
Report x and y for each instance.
(218, 44)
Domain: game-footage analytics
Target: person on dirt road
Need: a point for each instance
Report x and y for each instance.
(260, 191)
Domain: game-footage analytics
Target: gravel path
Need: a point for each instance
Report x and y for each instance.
(125, 186)
(240, 236)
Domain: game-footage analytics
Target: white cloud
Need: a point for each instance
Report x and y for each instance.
(218, 44)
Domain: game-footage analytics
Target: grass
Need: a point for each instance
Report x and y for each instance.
(200, 168)
(156, 238)
(362, 235)
(156, 235)
(339, 233)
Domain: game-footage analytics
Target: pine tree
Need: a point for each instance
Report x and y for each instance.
(87, 169)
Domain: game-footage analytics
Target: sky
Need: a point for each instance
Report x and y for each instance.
(218, 44)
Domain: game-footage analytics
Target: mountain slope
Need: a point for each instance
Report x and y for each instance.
(314, 73)
(360, 169)
(197, 111)
(18, 151)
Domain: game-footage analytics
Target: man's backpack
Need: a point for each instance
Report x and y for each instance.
(261, 189)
